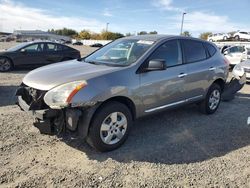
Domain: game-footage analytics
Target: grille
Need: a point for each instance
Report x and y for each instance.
(33, 97)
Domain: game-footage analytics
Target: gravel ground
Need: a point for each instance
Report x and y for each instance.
(179, 148)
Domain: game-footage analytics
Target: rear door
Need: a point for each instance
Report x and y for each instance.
(165, 88)
(54, 53)
(200, 69)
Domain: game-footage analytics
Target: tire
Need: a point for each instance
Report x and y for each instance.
(110, 120)
(224, 38)
(213, 96)
(5, 64)
(237, 37)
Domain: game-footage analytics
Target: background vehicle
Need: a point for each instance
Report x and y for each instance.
(96, 45)
(218, 36)
(131, 77)
(241, 68)
(35, 54)
(235, 54)
(77, 43)
(241, 35)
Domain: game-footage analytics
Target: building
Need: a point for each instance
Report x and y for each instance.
(38, 35)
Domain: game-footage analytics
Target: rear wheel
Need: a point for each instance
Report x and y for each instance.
(5, 64)
(212, 100)
(110, 127)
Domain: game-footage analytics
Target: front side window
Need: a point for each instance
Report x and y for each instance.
(34, 47)
(170, 52)
(120, 53)
(194, 51)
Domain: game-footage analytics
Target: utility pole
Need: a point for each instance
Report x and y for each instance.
(107, 26)
(183, 14)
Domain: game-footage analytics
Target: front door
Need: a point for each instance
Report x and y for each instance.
(164, 88)
(31, 55)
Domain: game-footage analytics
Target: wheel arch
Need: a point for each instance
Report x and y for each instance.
(124, 100)
(84, 125)
(220, 82)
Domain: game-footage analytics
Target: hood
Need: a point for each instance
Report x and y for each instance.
(50, 76)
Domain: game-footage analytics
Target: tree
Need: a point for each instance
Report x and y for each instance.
(96, 36)
(153, 32)
(142, 33)
(205, 35)
(64, 31)
(107, 35)
(186, 34)
(84, 34)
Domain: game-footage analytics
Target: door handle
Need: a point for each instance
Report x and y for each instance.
(212, 68)
(181, 75)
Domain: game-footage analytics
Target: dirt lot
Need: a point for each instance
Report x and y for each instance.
(179, 148)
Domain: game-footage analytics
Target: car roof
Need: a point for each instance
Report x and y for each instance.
(158, 37)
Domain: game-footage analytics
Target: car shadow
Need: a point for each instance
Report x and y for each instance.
(181, 136)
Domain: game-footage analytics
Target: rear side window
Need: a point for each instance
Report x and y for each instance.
(211, 49)
(194, 51)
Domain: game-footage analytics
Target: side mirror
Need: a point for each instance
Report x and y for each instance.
(225, 52)
(23, 50)
(156, 64)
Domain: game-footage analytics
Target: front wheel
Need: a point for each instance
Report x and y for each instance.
(110, 127)
(212, 100)
(5, 64)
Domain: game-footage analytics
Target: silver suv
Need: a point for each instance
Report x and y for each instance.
(100, 95)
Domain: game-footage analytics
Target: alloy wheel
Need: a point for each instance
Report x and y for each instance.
(214, 99)
(113, 128)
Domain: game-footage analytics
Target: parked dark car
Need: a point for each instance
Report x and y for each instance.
(35, 54)
(77, 43)
(98, 45)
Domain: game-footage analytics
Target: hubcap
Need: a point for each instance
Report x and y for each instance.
(4, 64)
(214, 99)
(113, 128)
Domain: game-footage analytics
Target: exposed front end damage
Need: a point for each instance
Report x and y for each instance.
(53, 121)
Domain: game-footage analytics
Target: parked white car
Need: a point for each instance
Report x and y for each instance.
(218, 36)
(241, 35)
(235, 54)
(241, 68)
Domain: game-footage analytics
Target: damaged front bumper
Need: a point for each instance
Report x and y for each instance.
(43, 119)
(54, 121)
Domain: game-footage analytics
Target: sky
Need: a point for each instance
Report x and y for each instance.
(126, 16)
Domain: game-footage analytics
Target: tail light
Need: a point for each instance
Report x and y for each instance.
(226, 61)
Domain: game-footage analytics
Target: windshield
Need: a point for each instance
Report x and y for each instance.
(120, 53)
(17, 47)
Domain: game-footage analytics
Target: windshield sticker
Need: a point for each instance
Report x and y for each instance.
(145, 42)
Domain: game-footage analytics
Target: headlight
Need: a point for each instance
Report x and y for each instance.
(61, 96)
